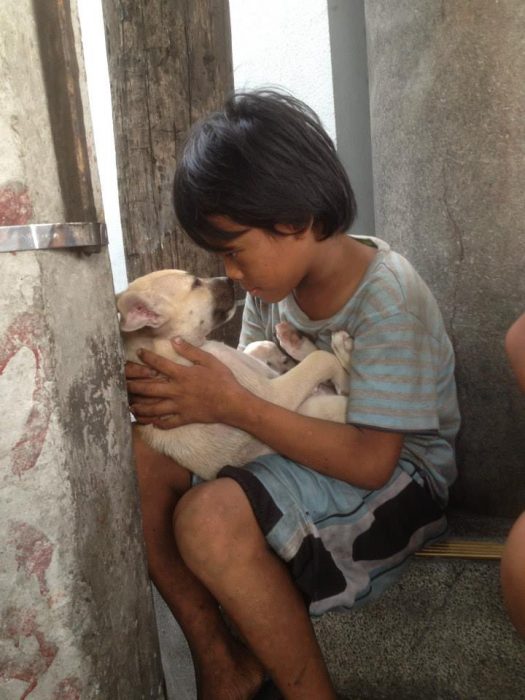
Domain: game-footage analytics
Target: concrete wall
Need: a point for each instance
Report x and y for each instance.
(75, 603)
(97, 85)
(285, 44)
(447, 100)
(352, 112)
(26, 185)
(76, 615)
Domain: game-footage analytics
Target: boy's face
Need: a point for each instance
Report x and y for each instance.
(267, 265)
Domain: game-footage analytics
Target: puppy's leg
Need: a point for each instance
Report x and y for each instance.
(327, 407)
(342, 345)
(291, 389)
(296, 345)
(270, 355)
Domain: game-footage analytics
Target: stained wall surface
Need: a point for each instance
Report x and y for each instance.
(75, 604)
(447, 105)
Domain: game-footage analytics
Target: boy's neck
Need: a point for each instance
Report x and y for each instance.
(334, 277)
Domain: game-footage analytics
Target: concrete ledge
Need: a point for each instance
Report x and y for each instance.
(442, 632)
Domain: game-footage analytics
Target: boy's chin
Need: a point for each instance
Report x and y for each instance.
(269, 296)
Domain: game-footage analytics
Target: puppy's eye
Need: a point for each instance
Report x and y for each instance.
(196, 283)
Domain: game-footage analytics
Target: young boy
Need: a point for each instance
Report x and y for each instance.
(327, 521)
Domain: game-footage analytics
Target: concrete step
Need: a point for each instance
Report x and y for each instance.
(440, 633)
(175, 654)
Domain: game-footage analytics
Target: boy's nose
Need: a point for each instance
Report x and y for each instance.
(232, 270)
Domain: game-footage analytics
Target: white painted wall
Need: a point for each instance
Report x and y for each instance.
(285, 43)
(282, 43)
(94, 46)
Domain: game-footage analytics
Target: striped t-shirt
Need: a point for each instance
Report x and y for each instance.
(402, 368)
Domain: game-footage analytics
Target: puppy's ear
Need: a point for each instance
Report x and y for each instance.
(139, 310)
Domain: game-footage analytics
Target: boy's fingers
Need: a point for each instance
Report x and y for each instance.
(191, 352)
(159, 408)
(141, 388)
(135, 371)
(137, 399)
(168, 422)
(165, 423)
(159, 363)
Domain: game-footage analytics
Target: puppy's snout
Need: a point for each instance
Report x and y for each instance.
(223, 293)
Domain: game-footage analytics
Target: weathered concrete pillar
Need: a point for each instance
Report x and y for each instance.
(75, 604)
(447, 102)
(76, 616)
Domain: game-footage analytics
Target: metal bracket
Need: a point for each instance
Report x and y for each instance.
(86, 237)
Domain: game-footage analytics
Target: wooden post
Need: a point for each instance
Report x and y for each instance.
(170, 64)
(63, 76)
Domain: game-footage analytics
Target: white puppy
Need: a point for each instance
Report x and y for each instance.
(170, 303)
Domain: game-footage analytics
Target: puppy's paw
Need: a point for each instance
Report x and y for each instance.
(292, 342)
(289, 339)
(342, 345)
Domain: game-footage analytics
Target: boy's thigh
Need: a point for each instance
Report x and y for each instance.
(343, 545)
(156, 472)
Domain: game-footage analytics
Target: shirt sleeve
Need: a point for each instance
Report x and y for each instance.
(253, 326)
(393, 376)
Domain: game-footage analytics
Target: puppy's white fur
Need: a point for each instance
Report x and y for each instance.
(170, 303)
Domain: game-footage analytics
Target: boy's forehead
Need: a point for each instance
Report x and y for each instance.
(231, 228)
(227, 224)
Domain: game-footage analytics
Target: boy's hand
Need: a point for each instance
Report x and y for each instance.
(175, 395)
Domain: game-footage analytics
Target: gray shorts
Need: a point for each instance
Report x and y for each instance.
(343, 545)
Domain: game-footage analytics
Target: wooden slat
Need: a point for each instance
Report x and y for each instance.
(464, 549)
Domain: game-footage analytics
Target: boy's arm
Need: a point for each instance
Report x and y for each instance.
(361, 456)
(515, 347)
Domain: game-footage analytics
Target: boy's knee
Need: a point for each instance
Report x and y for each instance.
(212, 520)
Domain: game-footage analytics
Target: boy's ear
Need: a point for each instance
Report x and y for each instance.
(139, 310)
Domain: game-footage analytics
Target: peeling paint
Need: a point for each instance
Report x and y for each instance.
(33, 551)
(68, 689)
(24, 661)
(69, 508)
(16, 207)
(25, 331)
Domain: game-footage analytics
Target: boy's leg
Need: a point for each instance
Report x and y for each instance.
(223, 667)
(221, 542)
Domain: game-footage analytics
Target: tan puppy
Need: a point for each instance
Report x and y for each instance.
(170, 303)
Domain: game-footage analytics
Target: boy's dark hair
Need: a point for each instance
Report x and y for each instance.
(264, 160)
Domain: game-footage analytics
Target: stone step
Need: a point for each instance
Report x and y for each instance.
(175, 654)
(440, 633)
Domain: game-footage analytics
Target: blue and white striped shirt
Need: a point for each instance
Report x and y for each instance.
(402, 369)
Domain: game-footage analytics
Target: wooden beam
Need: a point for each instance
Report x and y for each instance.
(170, 64)
(60, 69)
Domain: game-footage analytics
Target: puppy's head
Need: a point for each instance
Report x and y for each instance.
(173, 303)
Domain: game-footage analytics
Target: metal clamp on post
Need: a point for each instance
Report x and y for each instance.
(86, 237)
